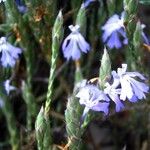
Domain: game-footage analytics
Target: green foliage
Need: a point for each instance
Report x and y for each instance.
(145, 2)
(10, 119)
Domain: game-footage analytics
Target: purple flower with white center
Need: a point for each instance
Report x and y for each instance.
(74, 44)
(93, 99)
(130, 88)
(8, 87)
(113, 30)
(9, 53)
(114, 93)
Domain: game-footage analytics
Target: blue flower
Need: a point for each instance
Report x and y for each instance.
(8, 87)
(21, 7)
(130, 88)
(93, 99)
(114, 93)
(74, 44)
(9, 53)
(113, 31)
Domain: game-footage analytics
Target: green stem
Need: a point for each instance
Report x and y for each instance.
(11, 122)
(28, 45)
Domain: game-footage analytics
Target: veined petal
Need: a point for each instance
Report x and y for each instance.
(7, 60)
(135, 74)
(111, 20)
(66, 42)
(83, 45)
(137, 92)
(126, 90)
(93, 98)
(119, 104)
(145, 39)
(114, 41)
(68, 50)
(139, 88)
(74, 44)
(9, 52)
(103, 106)
(133, 99)
(8, 87)
(75, 51)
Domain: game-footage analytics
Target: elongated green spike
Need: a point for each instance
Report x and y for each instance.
(81, 19)
(137, 36)
(105, 69)
(130, 7)
(57, 35)
(31, 107)
(111, 6)
(73, 115)
(42, 126)
(42, 131)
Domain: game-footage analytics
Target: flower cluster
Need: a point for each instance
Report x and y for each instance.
(93, 98)
(122, 86)
(9, 53)
(114, 34)
(74, 44)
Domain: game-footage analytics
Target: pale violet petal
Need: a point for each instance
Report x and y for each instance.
(103, 106)
(83, 45)
(135, 74)
(66, 42)
(75, 51)
(114, 41)
(9, 53)
(8, 87)
(145, 39)
(74, 44)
